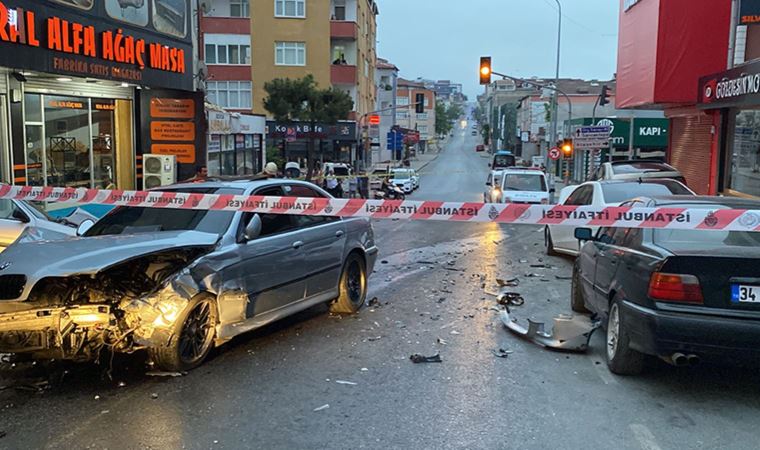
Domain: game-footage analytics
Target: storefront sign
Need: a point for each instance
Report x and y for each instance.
(339, 131)
(167, 129)
(647, 133)
(219, 123)
(749, 12)
(735, 87)
(147, 46)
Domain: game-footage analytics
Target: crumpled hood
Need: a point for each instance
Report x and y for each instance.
(90, 255)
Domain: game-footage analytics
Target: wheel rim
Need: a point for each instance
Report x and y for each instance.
(613, 331)
(197, 333)
(354, 282)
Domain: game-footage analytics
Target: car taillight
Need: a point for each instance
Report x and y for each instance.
(671, 287)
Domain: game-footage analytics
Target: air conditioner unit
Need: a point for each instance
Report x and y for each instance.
(159, 170)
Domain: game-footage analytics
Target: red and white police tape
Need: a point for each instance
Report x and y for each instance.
(671, 218)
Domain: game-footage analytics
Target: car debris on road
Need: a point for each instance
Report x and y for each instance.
(570, 333)
(418, 359)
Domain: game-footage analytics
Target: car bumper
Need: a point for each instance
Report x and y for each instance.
(662, 333)
(371, 259)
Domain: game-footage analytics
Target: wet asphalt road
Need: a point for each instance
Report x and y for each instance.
(262, 389)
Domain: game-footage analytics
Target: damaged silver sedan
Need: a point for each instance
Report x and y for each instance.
(178, 282)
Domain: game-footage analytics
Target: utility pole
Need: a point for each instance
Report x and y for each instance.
(555, 103)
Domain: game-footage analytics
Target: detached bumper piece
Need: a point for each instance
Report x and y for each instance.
(60, 332)
(570, 333)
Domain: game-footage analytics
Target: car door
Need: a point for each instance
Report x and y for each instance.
(13, 221)
(272, 266)
(608, 253)
(563, 236)
(324, 241)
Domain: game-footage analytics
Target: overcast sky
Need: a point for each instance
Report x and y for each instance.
(444, 39)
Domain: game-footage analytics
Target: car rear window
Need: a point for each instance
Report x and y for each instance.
(340, 171)
(620, 192)
(641, 167)
(702, 239)
(524, 182)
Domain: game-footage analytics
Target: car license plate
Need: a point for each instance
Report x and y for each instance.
(742, 293)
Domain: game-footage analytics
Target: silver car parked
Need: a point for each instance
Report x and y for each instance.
(178, 281)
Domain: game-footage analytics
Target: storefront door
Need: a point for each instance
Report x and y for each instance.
(743, 166)
(74, 141)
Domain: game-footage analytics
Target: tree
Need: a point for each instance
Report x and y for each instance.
(445, 117)
(302, 100)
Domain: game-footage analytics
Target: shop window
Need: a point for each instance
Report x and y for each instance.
(83, 4)
(103, 145)
(134, 12)
(32, 108)
(745, 155)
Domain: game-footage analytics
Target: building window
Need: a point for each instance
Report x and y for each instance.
(402, 114)
(229, 94)
(402, 101)
(290, 8)
(422, 129)
(232, 54)
(339, 11)
(427, 101)
(422, 116)
(239, 8)
(290, 53)
(366, 68)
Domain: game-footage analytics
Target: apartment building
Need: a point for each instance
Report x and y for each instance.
(408, 118)
(333, 40)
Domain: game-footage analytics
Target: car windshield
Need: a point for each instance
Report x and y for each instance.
(524, 182)
(640, 167)
(340, 171)
(402, 174)
(132, 220)
(620, 192)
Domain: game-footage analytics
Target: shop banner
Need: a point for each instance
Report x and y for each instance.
(749, 12)
(142, 42)
(733, 88)
(342, 131)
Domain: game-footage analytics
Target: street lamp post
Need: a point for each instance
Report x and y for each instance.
(555, 115)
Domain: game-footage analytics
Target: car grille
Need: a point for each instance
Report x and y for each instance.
(11, 286)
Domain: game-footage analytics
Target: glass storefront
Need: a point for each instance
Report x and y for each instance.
(744, 154)
(73, 141)
(234, 154)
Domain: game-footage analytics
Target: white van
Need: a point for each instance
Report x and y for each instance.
(523, 186)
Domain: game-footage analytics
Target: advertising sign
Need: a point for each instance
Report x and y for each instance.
(749, 12)
(139, 42)
(735, 87)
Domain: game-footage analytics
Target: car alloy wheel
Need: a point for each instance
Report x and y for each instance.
(354, 281)
(613, 331)
(197, 333)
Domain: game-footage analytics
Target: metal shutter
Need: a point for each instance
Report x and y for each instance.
(103, 89)
(690, 149)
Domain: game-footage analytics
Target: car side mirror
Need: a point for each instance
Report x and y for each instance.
(85, 226)
(253, 229)
(19, 215)
(584, 234)
(489, 164)
(552, 191)
(488, 183)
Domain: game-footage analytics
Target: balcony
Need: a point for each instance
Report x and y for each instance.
(343, 74)
(343, 29)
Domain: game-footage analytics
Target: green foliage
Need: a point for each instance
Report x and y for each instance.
(445, 117)
(302, 100)
(485, 131)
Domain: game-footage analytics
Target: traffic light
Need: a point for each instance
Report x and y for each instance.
(604, 96)
(567, 148)
(419, 103)
(485, 70)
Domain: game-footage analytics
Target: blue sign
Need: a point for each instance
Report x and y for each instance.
(395, 140)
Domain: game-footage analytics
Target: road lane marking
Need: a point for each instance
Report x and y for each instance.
(644, 436)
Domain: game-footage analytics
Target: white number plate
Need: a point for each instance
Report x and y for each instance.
(742, 293)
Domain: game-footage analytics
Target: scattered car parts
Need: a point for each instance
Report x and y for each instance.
(570, 333)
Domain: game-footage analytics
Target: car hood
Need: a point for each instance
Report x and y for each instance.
(90, 255)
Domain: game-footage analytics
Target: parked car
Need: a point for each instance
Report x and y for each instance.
(474, 133)
(178, 282)
(403, 178)
(480, 148)
(522, 186)
(503, 159)
(681, 295)
(18, 216)
(635, 169)
(342, 170)
(492, 192)
(561, 238)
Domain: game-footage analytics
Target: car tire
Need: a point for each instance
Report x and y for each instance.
(192, 338)
(621, 359)
(352, 287)
(577, 302)
(549, 243)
